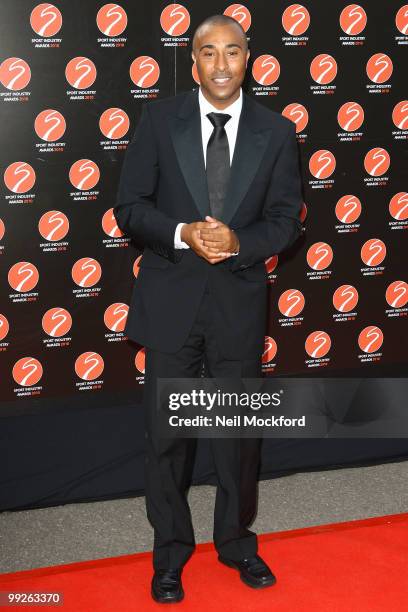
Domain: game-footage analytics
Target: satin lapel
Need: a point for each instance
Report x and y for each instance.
(250, 148)
(185, 131)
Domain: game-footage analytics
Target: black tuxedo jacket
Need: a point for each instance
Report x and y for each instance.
(163, 182)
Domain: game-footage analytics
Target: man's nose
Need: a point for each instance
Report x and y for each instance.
(221, 62)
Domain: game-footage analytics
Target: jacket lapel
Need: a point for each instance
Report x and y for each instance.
(185, 130)
(252, 141)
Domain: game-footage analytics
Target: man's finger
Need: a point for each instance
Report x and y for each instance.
(211, 233)
(205, 224)
(212, 219)
(211, 250)
(212, 243)
(216, 260)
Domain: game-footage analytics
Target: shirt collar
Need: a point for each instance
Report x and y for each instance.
(233, 109)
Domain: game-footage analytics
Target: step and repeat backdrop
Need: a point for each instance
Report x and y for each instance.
(73, 79)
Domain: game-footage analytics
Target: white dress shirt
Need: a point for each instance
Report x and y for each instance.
(231, 129)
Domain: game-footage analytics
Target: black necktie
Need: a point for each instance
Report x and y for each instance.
(218, 163)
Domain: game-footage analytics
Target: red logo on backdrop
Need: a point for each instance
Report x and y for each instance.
(4, 327)
(398, 206)
(291, 302)
(266, 69)
(15, 73)
(397, 294)
(298, 114)
(50, 125)
(379, 68)
(175, 19)
(89, 365)
(271, 348)
(115, 316)
(86, 272)
(345, 298)
(271, 263)
(80, 72)
(377, 161)
(323, 69)
(295, 19)
(2, 229)
(56, 322)
(140, 360)
(400, 115)
(370, 339)
(401, 19)
(144, 71)
(111, 19)
(348, 209)
(353, 19)
(303, 212)
(317, 344)
(27, 371)
(136, 265)
(84, 174)
(53, 225)
(110, 226)
(373, 252)
(240, 13)
(350, 116)
(19, 177)
(46, 19)
(114, 123)
(322, 164)
(23, 276)
(319, 255)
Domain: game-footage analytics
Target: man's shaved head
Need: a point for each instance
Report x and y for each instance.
(219, 20)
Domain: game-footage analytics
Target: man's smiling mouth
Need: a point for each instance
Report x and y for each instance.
(221, 80)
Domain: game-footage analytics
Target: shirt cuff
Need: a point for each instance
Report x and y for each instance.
(178, 243)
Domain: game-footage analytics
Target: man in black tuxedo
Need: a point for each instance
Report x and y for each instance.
(210, 187)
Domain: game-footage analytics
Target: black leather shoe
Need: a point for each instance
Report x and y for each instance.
(253, 571)
(166, 586)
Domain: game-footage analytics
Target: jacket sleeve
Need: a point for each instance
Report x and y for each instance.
(280, 225)
(135, 211)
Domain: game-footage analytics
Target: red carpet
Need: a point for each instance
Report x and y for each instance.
(359, 566)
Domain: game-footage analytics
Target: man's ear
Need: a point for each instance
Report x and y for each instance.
(193, 56)
(248, 53)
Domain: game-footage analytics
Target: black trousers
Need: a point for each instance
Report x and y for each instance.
(169, 462)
